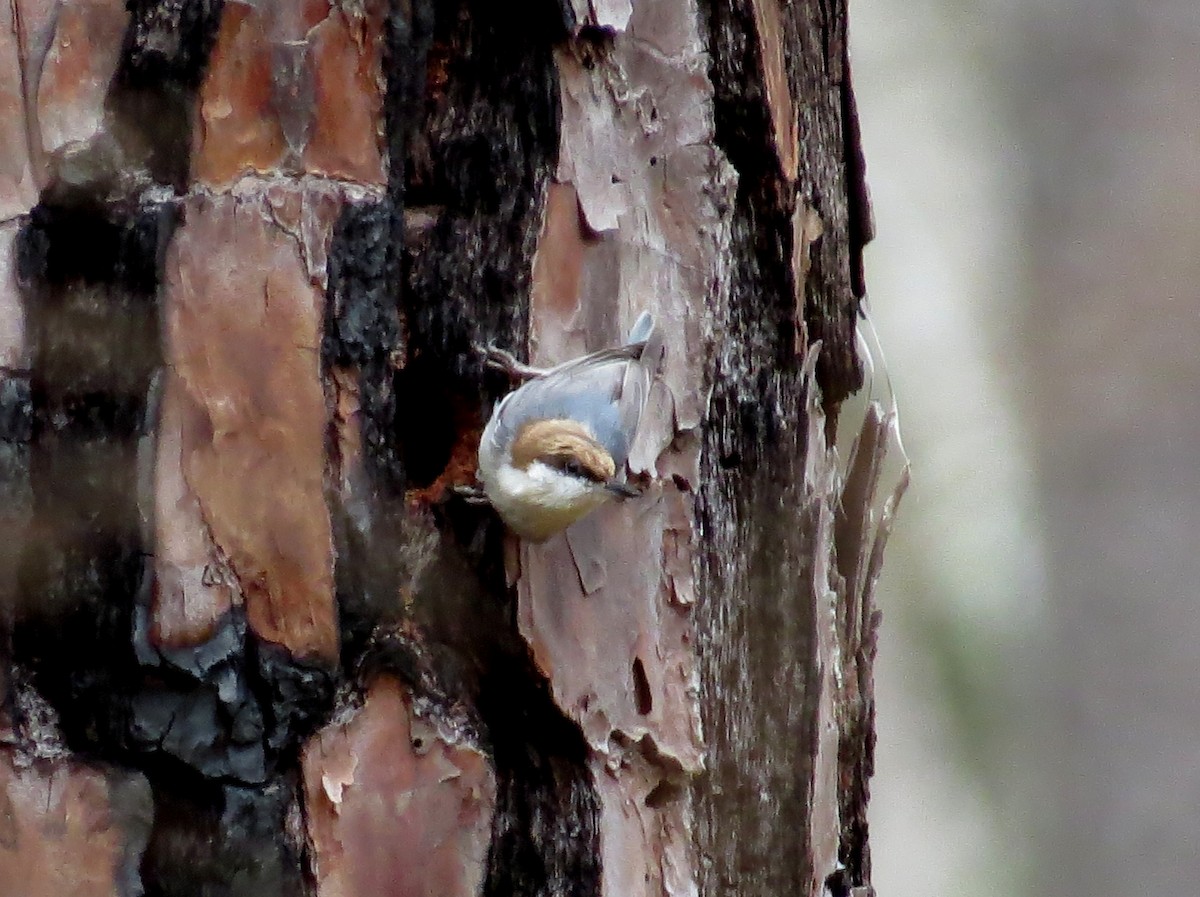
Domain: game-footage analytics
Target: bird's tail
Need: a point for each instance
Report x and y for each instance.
(642, 328)
(645, 332)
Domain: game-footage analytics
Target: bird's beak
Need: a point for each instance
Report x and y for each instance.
(622, 490)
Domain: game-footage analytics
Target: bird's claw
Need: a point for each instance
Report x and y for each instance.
(472, 495)
(504, 361)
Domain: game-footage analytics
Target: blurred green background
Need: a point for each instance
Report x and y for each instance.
(1035, 171)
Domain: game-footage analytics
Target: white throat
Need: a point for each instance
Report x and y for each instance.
(539, 501)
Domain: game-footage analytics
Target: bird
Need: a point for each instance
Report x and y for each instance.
(555, 448)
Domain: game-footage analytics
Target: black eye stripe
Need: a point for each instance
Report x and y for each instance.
(572, 466)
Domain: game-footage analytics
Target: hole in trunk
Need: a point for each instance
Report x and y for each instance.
(641, 688)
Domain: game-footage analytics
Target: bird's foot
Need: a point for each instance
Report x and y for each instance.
(502, 360)
(472, 495)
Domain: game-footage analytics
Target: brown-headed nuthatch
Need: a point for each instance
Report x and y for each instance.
(555, 448)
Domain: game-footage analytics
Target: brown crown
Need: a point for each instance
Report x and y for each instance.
(556, 442)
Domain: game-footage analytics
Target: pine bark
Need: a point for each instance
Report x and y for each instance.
(252, 641)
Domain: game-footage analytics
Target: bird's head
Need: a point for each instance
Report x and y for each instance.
(555, 473)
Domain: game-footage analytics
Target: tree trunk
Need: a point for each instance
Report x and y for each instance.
(253, 643)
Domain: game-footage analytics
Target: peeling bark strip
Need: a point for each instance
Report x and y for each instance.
(250, 644)
(398, 801)
(242, 441)
(70, 828)
(292, 88)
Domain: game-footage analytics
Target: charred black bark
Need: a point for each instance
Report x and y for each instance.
(829, 177)
(757, 625)
(166, 49)
(362, 335)
(488, 148)
(90, 279)
(214, 840)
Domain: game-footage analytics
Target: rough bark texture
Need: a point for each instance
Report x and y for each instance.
(252, 643)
